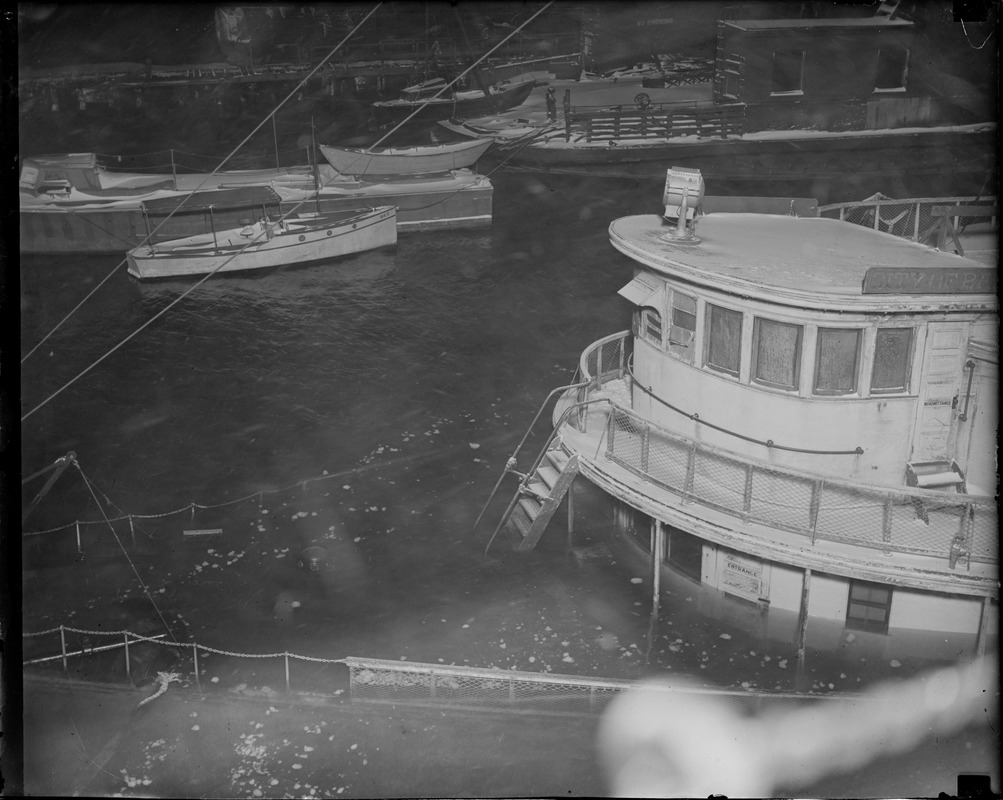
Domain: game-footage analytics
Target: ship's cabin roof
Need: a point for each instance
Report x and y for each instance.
(808, 262)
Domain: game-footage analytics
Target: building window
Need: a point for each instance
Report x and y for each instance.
(683, 326)
(836, 361)
(776, 350)
(892, 360)
(724, 339)
(651, 325)
(893, 66)
(788, 72)
(868, 607)
(686, 554)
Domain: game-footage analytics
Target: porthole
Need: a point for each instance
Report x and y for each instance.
(354, 226)
(330, 232)
(302, 238)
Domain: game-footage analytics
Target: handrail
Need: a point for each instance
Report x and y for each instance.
(510, 464)
(539, 458)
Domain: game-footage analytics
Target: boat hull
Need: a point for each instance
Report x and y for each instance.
(395, 111)
(299, 244)
(873, 157)
(449, 203)
(393, 161)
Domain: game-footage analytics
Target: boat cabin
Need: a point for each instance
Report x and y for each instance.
(817, 345)
(59, 175)
(827, 74)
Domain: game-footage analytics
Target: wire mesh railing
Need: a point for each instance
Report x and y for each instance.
(912, 219)
(922, 522)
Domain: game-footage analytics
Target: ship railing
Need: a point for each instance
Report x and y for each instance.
(915, 218)
(660, 120)
(960, 527)
(957, 527)
(605, 360)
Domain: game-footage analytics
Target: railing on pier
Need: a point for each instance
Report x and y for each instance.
(912, 219)
(957, 527)
(661, 120)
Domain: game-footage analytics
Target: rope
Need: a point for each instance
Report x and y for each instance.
(121, 547)
(198, 283)
(193, 505)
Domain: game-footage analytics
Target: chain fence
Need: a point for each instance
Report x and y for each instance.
(401, 682)
(911, 219)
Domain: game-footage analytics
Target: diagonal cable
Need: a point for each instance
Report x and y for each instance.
(205, 180)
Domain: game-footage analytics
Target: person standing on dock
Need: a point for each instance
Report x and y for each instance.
(551, 105)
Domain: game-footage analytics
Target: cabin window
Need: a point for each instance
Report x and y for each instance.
(869, 606)
(682, 326)
(893, 66)
(788, 72)
(724, 339)
(776, 348)
(892, 360)
(836, 361)
(651, 325)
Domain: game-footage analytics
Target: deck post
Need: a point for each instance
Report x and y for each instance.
(571, 514)
(980, 642)
(656, 567)
(803, 617)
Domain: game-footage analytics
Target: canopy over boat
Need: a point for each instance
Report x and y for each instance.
(199, 202)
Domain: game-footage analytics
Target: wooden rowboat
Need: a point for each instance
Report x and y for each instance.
(417, 160)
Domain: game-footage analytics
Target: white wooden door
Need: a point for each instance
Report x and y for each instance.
(940, 387)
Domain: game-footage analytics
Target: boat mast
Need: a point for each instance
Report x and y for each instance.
(469, 52)
(316, 168)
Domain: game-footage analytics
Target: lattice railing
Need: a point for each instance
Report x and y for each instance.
(911, 219)
(893, 520)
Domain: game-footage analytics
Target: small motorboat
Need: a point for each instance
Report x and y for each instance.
(272, 241)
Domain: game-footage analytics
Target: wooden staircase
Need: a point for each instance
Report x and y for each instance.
(540, 493)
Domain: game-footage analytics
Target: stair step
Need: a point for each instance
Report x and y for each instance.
(558, 458)
(520, 522)
(549, 476)
(530, 506)
(539, 489)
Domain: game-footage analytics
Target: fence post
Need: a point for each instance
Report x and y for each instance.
(747, 493)
(62, 645)
(195, 654)
(915, 226)
(128, 666)
(289, 689)
(132, 531)
(193, 510)
(644, 449)
(79, 550)
(886, 523)
(431, 685)
(816, 501)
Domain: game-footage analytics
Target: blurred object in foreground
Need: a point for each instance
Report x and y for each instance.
(675, 740)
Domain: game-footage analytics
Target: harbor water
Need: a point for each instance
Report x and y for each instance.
(304, 454)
